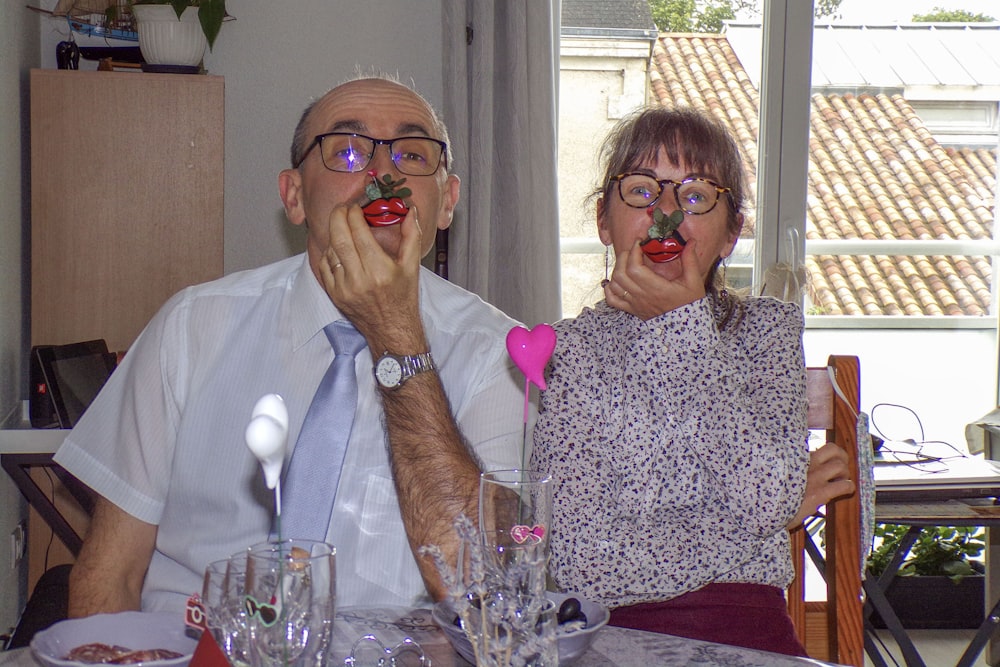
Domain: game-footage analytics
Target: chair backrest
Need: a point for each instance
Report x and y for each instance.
(833, 630)
(441, 253)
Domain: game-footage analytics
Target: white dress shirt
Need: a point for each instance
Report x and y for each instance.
(164, 440)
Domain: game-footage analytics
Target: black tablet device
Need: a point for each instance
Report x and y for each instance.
(73, 375)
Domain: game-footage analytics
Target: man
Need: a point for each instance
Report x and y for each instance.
(164, 442)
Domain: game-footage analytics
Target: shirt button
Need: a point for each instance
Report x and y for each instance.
(658, 331)
(604, 544)
(666, 347)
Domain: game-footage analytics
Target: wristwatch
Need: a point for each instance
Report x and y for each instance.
(392, 370)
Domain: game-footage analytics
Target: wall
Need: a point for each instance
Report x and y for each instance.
(18, 53)
(277, 56)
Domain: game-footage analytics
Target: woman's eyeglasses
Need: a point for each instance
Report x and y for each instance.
(695, 196)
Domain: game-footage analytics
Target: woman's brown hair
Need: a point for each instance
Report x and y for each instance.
(687, 137)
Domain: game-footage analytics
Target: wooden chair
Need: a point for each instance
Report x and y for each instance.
(441, 253)
(833, 630)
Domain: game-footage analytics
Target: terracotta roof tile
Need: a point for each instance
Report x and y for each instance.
(875, 172)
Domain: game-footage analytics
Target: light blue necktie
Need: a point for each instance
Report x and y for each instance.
(314, 471)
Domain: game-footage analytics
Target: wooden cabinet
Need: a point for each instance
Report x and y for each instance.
(126, 198)
(126, 210)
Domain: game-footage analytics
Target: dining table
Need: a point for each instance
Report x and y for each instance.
(612, 645)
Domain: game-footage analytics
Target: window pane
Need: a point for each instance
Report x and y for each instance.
(901, 211)
(900, 202)
(604, 74)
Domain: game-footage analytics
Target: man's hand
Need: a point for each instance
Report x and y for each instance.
(378, 293)
(828, 478)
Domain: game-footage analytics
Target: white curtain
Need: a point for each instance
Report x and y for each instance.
(500, 78)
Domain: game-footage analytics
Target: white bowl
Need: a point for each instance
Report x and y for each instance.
(571, 646)
(133, 629)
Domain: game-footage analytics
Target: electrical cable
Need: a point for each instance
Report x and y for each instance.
(918, 459)
(920, 424)
(52, 533)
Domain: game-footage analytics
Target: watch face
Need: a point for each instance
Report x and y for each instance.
(389, 372)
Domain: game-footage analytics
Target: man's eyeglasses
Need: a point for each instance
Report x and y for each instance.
(693, 195)
(350, 152)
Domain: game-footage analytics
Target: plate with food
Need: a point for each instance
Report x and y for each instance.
(579, 622)
(154, 639)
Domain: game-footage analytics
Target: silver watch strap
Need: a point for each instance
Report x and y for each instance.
(417, 363)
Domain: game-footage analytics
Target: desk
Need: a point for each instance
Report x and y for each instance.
(612, 646)
(23, 450)
(19, 467)
(917, 514)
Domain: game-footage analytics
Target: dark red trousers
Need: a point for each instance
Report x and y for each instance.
(749, 615)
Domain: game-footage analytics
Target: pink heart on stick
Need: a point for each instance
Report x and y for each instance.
(531, 350)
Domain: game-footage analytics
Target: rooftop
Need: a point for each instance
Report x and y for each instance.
(607, 18)
(900, 56)
(875, 172)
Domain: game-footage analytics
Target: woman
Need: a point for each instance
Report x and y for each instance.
(674, 418)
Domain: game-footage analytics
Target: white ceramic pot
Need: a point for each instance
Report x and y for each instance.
(164, 40)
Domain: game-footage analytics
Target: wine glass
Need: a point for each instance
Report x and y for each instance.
(290, 599)
(222, 595)
(515, 513)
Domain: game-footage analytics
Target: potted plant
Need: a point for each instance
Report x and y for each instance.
(940, 584)
(176, 32)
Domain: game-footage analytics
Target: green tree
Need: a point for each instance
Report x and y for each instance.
(939, 15)
(708, 15)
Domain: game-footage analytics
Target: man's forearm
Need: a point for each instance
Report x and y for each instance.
(435, 472)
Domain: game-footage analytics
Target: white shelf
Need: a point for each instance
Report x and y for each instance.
(29, 440)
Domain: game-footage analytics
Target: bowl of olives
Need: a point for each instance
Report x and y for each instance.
(579, 622)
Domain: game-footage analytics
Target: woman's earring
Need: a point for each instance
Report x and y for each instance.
(607, 266)
(724, 292)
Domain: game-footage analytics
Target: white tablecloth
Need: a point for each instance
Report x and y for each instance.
(612, 646)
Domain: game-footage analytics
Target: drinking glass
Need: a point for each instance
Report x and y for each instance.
(222, 595)
(506, 632)
(515, 513)
(290, 602)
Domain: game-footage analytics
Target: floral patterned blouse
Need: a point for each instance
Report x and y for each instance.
(678, 449)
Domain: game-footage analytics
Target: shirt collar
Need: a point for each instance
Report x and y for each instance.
(309, 306)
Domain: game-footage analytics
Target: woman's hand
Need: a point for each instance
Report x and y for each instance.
(637, 289)
(828, 478)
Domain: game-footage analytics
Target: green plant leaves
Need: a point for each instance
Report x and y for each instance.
(938, 551)
(210, 15)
